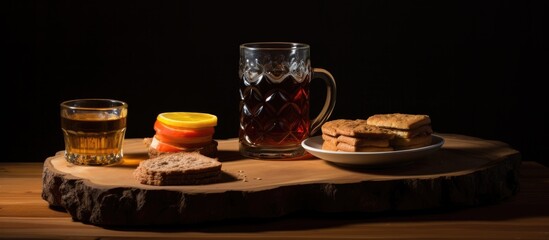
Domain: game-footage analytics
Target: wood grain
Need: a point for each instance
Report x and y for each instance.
(465, 172)
(25, 215)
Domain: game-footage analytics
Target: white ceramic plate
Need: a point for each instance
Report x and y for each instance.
(370, 159)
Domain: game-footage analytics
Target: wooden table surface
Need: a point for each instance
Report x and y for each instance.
(24, 214)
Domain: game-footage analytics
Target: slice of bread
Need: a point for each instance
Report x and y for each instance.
(181, 168)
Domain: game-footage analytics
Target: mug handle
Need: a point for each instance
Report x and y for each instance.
(329, 104)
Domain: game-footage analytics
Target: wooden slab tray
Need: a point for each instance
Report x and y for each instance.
(466, 171)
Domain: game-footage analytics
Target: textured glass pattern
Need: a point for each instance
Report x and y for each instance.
(274, 106)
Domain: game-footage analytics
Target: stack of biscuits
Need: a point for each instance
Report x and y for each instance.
(355, 136)
(409, 130)
(380, 132)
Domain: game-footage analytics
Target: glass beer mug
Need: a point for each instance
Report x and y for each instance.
(275, 79)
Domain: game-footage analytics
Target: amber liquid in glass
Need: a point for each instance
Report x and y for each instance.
(93, 139)
(274, 115)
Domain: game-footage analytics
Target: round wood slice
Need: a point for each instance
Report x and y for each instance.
(466, 171)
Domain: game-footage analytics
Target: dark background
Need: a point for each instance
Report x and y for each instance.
(475, 67)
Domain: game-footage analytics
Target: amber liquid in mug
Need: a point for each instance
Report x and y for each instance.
(93, 139)
(274, 114)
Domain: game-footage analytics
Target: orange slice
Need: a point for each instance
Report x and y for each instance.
(188, 119)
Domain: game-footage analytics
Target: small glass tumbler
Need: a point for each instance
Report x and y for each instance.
(94, 131)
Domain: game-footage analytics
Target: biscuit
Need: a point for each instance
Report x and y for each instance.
(398, 120)
(379, 132)
(329, 138)
(359, 128)
(329, 127)
(362, 142)
(328, 145)
(423, 130)
(359, 142)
